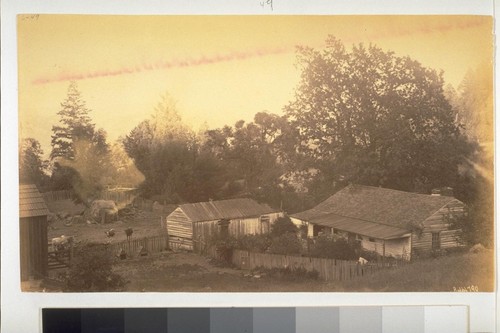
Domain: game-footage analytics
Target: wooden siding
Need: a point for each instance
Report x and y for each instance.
(439, 223)
(237, 227)
(397, 248)
(195, 235)
(178, 225)
(33, 247)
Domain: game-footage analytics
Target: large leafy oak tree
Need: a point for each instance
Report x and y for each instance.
(369, 116)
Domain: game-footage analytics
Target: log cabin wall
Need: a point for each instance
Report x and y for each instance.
(437, 232)
(237, 227)
(179, 225)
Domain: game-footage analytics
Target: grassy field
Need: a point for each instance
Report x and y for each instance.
(176, 272)
(454, 272)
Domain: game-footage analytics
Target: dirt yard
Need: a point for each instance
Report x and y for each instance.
(144, 224)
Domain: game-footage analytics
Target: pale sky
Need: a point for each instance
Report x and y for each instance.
(219, 68)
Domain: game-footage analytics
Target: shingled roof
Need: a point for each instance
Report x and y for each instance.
(31, 202)
(379, 205)
(225, 209)
(357, 226)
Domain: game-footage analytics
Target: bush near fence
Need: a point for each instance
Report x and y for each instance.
(328, 269)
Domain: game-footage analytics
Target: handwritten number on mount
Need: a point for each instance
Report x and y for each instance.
(32, 17)
(267, 2)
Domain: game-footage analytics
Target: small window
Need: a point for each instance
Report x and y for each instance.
(371, 239)
(264, 219)
(335, 231)
(436, 241)
(224, 227)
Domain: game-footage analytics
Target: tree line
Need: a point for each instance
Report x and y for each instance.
(360, 115)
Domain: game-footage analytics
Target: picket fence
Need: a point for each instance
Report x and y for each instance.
(328, 269)
(57, 195)
(133, 246)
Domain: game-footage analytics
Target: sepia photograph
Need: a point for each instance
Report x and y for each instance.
(247, 153)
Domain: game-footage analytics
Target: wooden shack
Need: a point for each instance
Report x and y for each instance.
(32, 233)
(195, 223)
(389, 222)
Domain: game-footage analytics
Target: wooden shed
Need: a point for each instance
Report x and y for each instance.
(389, 222)
(195, 223)
(32, 233)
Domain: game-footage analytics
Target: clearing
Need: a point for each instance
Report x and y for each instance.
(189, 272)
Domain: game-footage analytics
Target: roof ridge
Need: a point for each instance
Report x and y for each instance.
(357, 218)
(202, 202)
(399, 191)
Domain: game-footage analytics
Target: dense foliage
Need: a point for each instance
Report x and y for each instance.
(370, 117)
(282, 226)
(93, 271)
(32, 167)
(327, 247)
(79, 150)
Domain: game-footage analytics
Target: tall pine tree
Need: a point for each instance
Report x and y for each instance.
(79, 151)
(75, 124)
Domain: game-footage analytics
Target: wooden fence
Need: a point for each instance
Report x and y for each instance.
(328, 269)
(59, 259)
(120, 197)
(134, 246)
(57, 195)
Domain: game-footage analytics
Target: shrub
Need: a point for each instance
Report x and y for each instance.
(327, 247)
(283, 225)
(224, 246)
(290, 274)
(286, 244)
(253, 243)
(92, 270)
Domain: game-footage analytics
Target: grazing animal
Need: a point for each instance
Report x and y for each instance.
(60, 243)
(110, 233)
(129, 232)
(362, 261)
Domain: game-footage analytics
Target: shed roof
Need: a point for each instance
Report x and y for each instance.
(31, 202)
(379, 205)
(366, 228)
(225, 209)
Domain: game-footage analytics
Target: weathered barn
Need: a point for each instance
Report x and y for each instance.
(389, 222)
(198, 222)
(32, 233)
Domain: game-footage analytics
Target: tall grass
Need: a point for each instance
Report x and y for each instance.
(454, 272)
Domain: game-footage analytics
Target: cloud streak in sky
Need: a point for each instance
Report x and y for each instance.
(162, 65)
(186, 62)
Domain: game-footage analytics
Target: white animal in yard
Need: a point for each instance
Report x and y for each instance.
(59, 243)
(362, 261)
(110, 233)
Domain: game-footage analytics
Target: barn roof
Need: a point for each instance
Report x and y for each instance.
(379, 205)
(31, 202)
(370, 229)
(225, 209)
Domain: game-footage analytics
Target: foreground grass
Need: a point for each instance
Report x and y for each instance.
(191, 273)
(454, 272)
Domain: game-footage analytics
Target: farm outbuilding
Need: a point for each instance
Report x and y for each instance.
(196, 223)
(388, 222)
(32, 233)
